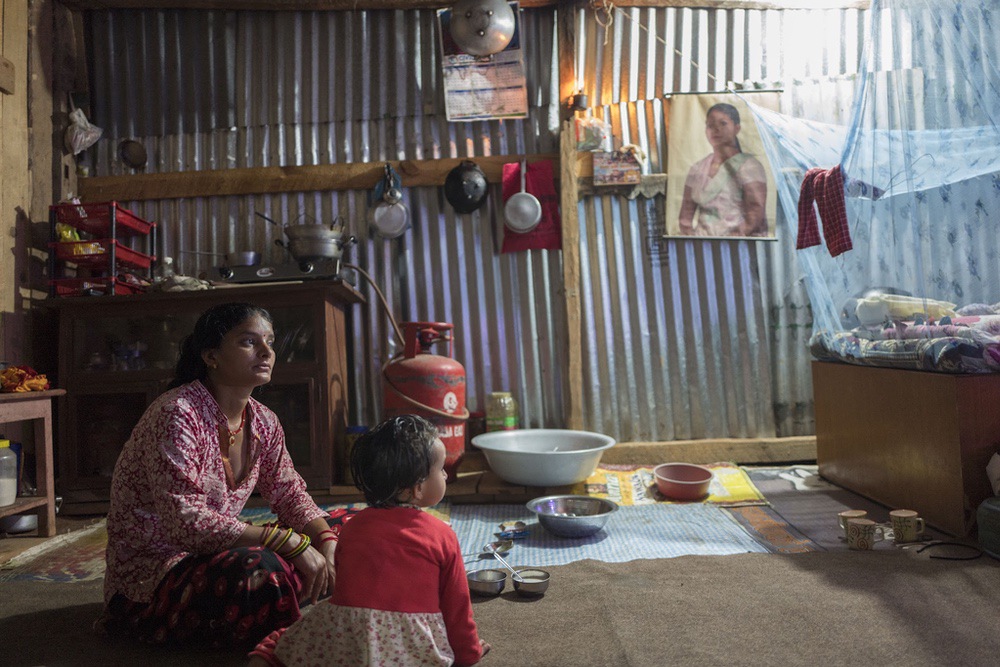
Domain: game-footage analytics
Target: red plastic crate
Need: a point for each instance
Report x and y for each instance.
(80, 286)
(96, 219)
(94, 253)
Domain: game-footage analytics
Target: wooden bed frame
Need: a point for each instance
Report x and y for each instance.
(909, 439)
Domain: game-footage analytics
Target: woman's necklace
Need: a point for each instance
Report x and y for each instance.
(233, 434)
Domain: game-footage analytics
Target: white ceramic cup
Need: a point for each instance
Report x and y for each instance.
(907, 526)
(847, 515)
(862, 534)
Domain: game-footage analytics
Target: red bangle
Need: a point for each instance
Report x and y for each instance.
(329, 538)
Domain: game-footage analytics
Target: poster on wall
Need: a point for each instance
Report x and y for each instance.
(719, 183)
(483, 87)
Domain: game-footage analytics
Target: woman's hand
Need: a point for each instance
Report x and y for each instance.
(315, 572)
(327, 550)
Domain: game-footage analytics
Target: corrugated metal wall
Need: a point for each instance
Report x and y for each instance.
(211, 90)
(692, 338)
(681, 340)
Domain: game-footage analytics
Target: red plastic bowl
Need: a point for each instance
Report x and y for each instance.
(682, 481)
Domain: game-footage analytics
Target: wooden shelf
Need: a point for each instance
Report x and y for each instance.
(22, 505)
(103, 406)
(270, 180)
(36, 407)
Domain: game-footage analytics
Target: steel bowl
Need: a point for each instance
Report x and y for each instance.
(19, 523)
(572, 516)
(543, 457)
(534, 582)
(487, 582)
(240, 258)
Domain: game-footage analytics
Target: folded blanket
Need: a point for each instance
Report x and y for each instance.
(880, 308)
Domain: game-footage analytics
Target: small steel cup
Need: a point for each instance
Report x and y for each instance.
(487, 582)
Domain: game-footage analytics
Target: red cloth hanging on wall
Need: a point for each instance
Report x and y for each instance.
(540, 182)
(825, 187)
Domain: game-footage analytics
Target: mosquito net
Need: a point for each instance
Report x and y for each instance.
(901, 265)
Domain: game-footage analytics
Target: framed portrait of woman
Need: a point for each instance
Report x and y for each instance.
(719, 182)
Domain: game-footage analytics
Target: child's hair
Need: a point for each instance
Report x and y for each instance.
(393, 456)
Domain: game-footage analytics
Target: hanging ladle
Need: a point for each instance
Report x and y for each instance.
(513, 573)
(522, 211)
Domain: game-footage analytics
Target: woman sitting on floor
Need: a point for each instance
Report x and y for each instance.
(181, 566)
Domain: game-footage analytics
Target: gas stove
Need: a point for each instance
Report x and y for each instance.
(312, 270)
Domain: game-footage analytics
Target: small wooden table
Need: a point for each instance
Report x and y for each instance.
(35, 406)
(909, 439)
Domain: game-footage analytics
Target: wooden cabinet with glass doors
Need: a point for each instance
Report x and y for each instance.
(117, 354)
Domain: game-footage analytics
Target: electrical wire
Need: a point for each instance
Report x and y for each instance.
(381, 296)
(976, 551)
(607, 7)
(402, 342)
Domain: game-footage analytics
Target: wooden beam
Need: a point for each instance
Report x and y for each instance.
(45, 138)
(748, 4)
(566, 35)
(280, 5)
(736, 450)
(353, 5)
(270, 180)
(7, 76)
(15, 181)
(568, 201)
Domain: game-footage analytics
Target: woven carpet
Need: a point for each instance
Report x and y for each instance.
(635, 485)
(772, 531)
(886, 608)
(79, 556)
(633, 532)
(732, 520)
(75, 556)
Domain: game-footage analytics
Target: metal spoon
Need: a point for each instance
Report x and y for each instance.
(514, 575)
(503, 546)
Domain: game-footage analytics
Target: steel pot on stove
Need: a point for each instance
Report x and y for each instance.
(313, 242)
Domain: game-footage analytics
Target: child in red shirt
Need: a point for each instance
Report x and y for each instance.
(401, 596)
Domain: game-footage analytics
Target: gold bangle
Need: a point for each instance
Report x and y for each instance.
(300, 547)
(284, 539)
(266, 536)
(274, 536)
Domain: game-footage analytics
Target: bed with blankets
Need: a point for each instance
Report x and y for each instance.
(916, 334)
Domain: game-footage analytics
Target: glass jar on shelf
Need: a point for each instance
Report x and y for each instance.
(8, 474)
(501, 412)
(164, 270)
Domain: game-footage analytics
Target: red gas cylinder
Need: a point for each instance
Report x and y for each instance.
(429, 385)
